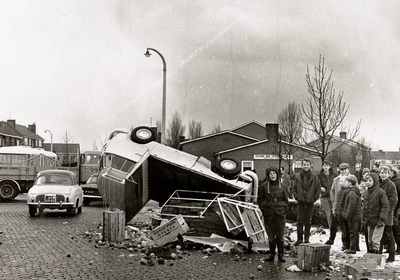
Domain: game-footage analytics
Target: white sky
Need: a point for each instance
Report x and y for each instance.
(78, 66)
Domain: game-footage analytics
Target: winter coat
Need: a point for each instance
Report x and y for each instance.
(326, 182)
(391, 192)
(334, 193)
(376, 204)
(273, 197)
(352, 204)
(396, 181)
(306, 193)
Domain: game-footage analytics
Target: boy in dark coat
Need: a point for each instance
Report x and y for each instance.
(391, 192)
(306, 191)
(396, 213)
(351, 213)
(375, 211)
(273, 200)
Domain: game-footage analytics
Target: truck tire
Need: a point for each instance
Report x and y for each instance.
(227, 167)
(8, 190)
(143, 135)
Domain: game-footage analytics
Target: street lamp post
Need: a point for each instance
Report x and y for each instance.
(51, 135)
(147, 54)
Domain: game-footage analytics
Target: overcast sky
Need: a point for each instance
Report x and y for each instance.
(78, 66)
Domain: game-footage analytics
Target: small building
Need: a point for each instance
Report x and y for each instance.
(253, 145)
(13, 134)
(346, 150)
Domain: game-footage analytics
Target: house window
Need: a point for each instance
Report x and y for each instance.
(247, 165)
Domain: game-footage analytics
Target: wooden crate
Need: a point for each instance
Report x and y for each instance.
(114, 226)
(169, 231)
(371, 266)
(312, 256)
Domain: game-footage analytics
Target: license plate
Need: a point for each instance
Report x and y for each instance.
(50, 198)
(89, 192)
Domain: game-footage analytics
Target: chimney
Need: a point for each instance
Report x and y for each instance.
(11, 123)
(343, 135)
(272, 132)
(32, 127)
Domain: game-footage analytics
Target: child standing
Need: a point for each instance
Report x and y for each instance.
(273, 200)
(375, 211)
(351, 213)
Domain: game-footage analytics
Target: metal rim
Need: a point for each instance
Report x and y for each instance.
(228, 164)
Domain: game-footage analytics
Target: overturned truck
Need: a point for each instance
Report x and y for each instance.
(134, 169)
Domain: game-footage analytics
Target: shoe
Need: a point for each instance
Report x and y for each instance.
(348, 251)
(344, 248)
(298, 242)
(271, 258)
(329, 242)
(281, 259)
(306, 241)
(390, 259)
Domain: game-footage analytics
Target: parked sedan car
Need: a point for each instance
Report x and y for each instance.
(90, 190)
(55, 189)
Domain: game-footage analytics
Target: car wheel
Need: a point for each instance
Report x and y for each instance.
(143, 135)
(32, 211)
(227, 167)
(80, 209)
(8, 190)
(86, 202)
(72, 211)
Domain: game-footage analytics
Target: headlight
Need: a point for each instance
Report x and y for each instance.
(32, 198)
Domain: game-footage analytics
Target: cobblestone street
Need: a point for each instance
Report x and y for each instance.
(54, 246)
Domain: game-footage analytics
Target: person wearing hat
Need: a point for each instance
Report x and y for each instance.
(350, 205)
(337, 185)
(375, 211)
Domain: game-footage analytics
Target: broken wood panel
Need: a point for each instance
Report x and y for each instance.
(252, 226)
(230, 219)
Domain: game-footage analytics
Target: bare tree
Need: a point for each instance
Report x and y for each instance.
(290, 124)
(175, 130)
(216, 129)
(324, 112)
(67, 139)
(195, 129)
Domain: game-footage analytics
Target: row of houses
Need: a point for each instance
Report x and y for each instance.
(256, 147)
(13, 134)
(253, 145)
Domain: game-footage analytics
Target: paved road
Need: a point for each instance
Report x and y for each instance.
(54, 246)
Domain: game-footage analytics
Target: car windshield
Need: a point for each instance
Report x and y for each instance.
(53, 179)
(92, 180)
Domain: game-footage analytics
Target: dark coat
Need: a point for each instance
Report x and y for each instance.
(396, 181)
(390, 190)
(326, 181)
(273, 197)
(352, 204)
(376, 204)
(306, 193)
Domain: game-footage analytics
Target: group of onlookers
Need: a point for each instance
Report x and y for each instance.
(366, 202)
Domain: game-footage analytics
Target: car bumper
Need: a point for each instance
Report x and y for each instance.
(56, 205)
(92, 197)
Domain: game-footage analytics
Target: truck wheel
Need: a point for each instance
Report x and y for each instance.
(143, 135)
(227, 167)
(32, 211)
(8, 190)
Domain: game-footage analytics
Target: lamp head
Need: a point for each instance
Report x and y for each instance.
(147, 54)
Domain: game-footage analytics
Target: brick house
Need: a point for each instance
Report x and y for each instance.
(253, 145)
(12, 134)
(67, 153)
